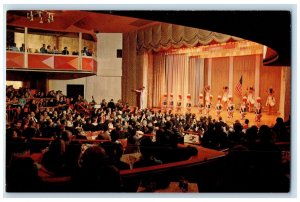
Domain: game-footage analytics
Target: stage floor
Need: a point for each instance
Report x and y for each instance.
(266, 119)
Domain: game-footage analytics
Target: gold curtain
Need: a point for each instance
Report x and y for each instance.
(196, 78)
(205, 74)
(150, 80)
(177, 76)
(164, 36)
(159, 74)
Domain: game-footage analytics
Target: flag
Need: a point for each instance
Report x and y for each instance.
(238, 87)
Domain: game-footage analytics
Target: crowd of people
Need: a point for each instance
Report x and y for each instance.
(50, 50)
(95, 167)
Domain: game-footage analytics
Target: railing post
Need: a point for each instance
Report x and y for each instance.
(26, 47)
(79, 51)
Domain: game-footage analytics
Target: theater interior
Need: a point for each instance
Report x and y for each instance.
(148, 101)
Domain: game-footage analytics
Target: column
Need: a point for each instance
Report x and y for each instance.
(145, 80)
(257, 68)
(200, 61)
(282, 92)
(209, 72)
(230, 75)
(79, 51)
(26, 47)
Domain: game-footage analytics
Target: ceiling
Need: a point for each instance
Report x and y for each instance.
(80, 21)
(270, 28)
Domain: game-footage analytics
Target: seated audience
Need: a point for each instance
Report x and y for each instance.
(65, 51)
(253, 155)
(95, 174)
(148, 154)
(22, 48)
(43, 49)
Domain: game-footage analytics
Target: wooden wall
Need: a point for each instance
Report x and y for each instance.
(287, 102)
(219, 76)
(243, 66)
(270, 77)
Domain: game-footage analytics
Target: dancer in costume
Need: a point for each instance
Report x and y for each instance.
(225, 96)
(201, 104)
(208, 105)
(243, 108)
(258, 110)
(164, 104)
(270, 103)
(207, 93)
(230, 107)
(179, 103)
(188, 103)
(219, 106)
(250, 98)
(171, 102)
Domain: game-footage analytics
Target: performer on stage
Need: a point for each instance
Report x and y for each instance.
(258, 110)
(171, 102)
(139, 96)
(188, 103)
(207, 93)
(225, 96)
(270, 100)
(219, 106)
(208, 105)
(179, 103)
(164, 103)
(230, 107)
(243, 108)
(250, 98)
(201, 104)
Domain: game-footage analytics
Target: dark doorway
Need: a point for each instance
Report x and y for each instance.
(75, 90)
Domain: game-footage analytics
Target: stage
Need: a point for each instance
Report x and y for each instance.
(266, 119)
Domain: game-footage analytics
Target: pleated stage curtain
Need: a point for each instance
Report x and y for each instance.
(159, 75)
(196, 78)
(164, 36)
(177, 75)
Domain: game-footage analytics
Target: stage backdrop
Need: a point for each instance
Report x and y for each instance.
(243, 66)
(219, 76)
(151, 58)
(181, 74)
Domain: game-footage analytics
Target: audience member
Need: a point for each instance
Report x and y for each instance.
(22, 48)
(65, 51)
(43, 49)
(95, 174)
(13, 47)
(53, 115)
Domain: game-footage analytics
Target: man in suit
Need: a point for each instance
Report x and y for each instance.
(65, 51)
(43, 49)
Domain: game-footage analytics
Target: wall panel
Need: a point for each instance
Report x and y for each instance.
(219, 76)
(243, 66)
(270, 76)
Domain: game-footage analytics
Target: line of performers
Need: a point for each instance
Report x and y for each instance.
(249, 103)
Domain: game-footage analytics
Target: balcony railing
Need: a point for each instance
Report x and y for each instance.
(50, 62)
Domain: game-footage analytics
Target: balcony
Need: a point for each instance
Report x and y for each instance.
(50, 63)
